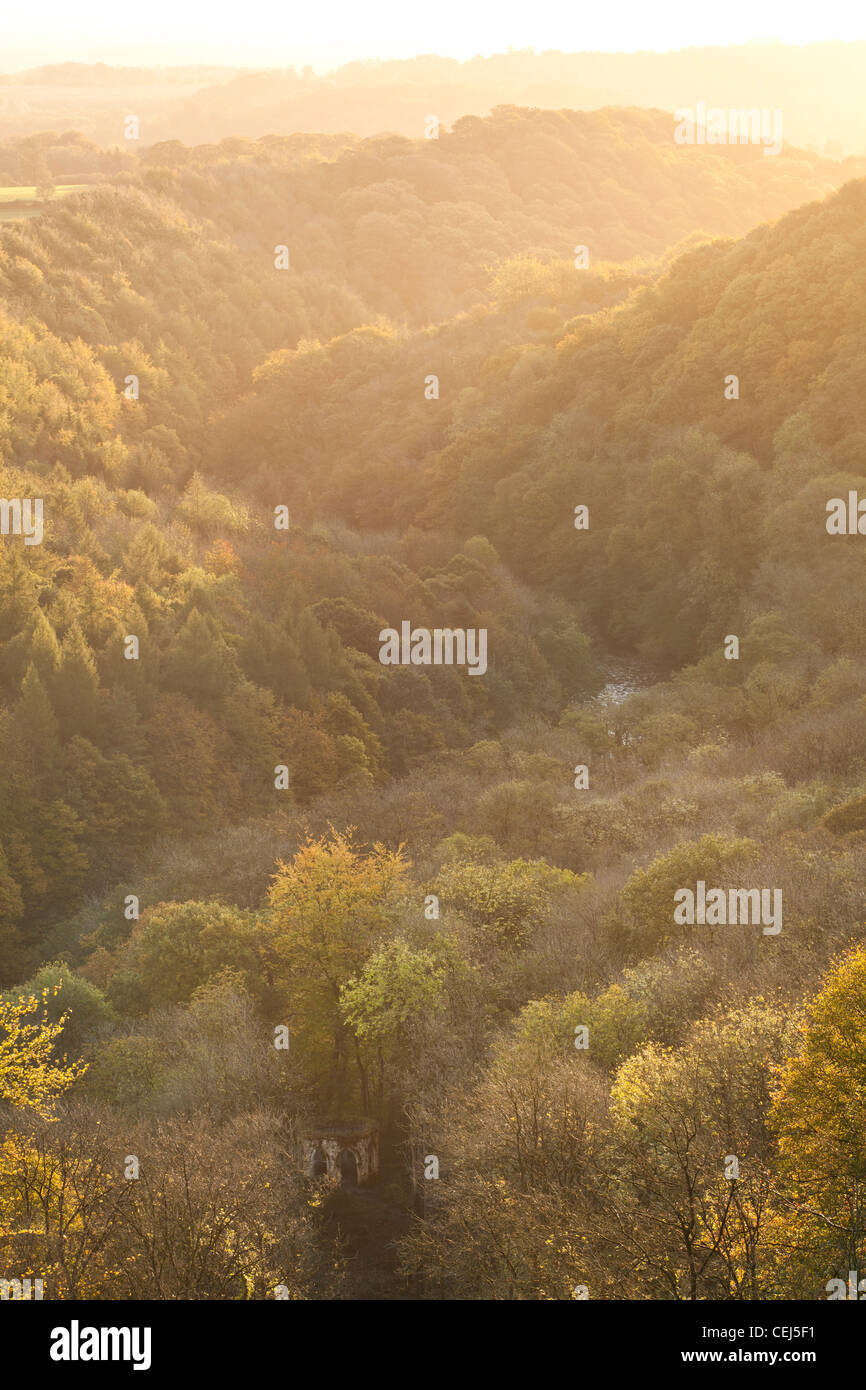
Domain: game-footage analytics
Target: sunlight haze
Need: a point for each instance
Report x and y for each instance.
(263, 34)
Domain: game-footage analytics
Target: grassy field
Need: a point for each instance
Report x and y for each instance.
(22, 193)
(20, 201)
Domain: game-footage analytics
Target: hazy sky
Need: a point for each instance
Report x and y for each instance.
(275, 33)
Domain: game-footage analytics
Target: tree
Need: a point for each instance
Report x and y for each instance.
(643, 918)
(506, 903)
(76, 688)
(34, 725)
(683, 1222)
(819, 1114)
(524, 1163)
(30, 1078)
(198, 663)
(11, 912)
(68, 1000)
(391, 1004)
(176, 947)
(62, 1192)
(330, 907)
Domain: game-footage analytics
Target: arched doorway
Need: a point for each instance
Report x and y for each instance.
(319, 1163)
(348, 1168)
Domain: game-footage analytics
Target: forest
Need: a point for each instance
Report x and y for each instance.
(549, 376)
(817, 84)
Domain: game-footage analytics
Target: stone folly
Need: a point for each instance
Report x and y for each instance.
(346, 1151)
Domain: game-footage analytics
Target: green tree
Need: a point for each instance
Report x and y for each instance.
(330, 907)
(819, 1114)
(198, 663)
(76, 688)
(643, 918)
